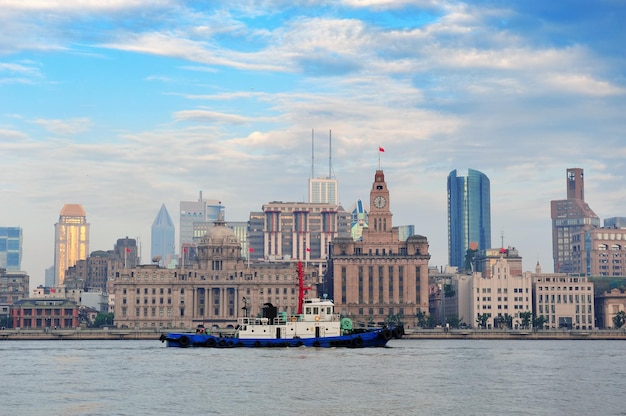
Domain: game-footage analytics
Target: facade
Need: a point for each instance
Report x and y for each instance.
(196, 217)
(615, 222)
(45, 313)
(162, 238)
(71, 240)
(240, 229)
(379, 276)
(358, 220)
(299, 230)
(323, 191)
(599, 251)
(608, 305)
(565, 301)
(501, 298)
(11, 248)
(484, 260)
(211, 291)
(14, 285)
(469, 215)
(569, 216)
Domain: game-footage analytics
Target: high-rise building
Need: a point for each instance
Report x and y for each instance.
(323, 189)
(196, 217)
(71, 240)
(379, 276)
(469, 215)
(569, 216)
(10, 248)
(162, 244)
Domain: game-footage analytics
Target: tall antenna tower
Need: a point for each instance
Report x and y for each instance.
(312, 153)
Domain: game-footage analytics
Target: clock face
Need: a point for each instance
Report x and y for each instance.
(380, 202)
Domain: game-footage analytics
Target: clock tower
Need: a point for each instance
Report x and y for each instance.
(379, 215)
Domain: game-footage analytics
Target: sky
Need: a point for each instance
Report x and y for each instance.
(124, 105)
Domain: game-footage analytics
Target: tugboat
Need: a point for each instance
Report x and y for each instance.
(315, 325)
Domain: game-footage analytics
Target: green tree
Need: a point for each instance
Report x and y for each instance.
(424, 320)
(103, 319)
(619, 319)
(539, 321)
(482, 319)
(526, 318)
(395, 319)
(454, 321)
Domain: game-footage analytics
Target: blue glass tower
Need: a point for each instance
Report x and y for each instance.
(162, 238)
(469, 215)
(10, 248)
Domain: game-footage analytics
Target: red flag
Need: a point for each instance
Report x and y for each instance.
(380, 149)
(127, 250)
(308, 249)
(52, 290)
(251, 250)
(184, 249)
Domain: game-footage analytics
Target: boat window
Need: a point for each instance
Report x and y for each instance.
(308, 310)
(316, 310)
(329, 310)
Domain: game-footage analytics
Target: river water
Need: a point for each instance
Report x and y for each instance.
(409, 377)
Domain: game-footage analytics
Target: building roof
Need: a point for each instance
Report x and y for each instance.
(73, 210)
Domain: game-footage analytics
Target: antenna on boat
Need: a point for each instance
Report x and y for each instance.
(301, 288)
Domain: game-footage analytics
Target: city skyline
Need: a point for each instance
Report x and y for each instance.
(123, 106)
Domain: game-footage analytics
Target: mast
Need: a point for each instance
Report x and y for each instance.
(301, 288)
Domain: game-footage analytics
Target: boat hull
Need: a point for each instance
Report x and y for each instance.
(373, 338)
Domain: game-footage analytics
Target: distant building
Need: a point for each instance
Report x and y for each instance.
(196, 217)
(615, 222)
(405, 231)
(162, 238)
(565, 301)
(11, 248)
(14, 285)
(45, 313)
(358, 216)
(569, 216)
(380, 276)
(599, 251)
(484, 260)
(469, 215)
(323, 191)
(608, 305)
(71, 240)
(499, 298)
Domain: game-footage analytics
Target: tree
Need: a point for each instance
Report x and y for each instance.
(481, 320)
(539, 321)
(395, 319)
(526, 317)
(103, 319)
(424, 320)
(454, 321)
(619, 319)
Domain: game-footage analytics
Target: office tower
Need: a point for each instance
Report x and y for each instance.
(71, 240)
(615, 222)
(379, 275)
(323, 190)
(569, 216)
(358, 217)
(469, 215)
(162, 244)
(196, 217)
(10, 248)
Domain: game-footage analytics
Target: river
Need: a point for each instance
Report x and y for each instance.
(409, 377)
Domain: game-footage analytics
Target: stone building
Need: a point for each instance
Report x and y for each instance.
(45, 313)
(566, 301)
(379, 276)
(212, 290)
(13, 286)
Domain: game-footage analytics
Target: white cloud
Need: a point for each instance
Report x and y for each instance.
(65, 127)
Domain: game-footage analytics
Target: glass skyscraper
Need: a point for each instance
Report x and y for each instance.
(162, 244)
(469, 215)
(10, 248)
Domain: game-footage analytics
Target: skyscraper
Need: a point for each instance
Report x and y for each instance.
(469, 215)
(71, 241)
(196, 217)
(10, 248)
(569, 216)
(162, 237)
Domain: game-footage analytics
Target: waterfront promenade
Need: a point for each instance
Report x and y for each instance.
(152, 334)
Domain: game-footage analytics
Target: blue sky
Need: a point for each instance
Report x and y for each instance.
(127, 104)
